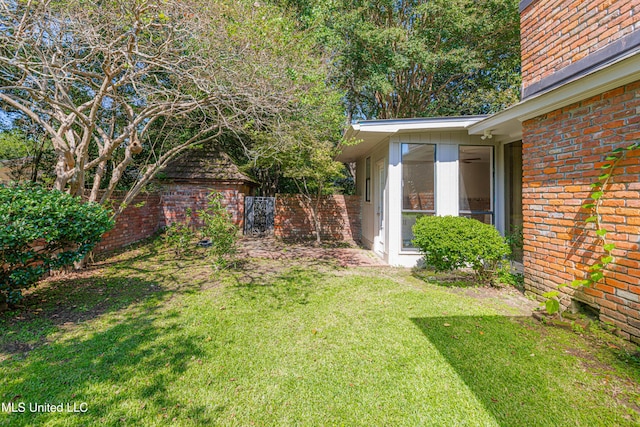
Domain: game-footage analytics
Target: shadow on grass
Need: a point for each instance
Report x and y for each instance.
(121, 372)
(277, 289)
(454, 279)
(139, 251)
(66, 302)
(77, 297)
(120, 352)
(522, 377)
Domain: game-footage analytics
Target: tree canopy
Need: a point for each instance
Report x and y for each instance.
(418, 58)
(125, 84)
(121, 87)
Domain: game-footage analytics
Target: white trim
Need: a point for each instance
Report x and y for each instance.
(417, 124)
(447, 179)
(394, 224)
(381, 241)
(370, 133)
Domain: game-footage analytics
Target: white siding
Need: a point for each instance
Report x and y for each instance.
(369, 228)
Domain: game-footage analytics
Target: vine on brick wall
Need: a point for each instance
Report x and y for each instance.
(595, 272)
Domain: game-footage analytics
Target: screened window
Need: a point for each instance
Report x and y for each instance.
(418, 187)
(513, 194)
(476, 182)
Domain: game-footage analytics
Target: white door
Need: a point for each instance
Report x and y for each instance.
(380, 196)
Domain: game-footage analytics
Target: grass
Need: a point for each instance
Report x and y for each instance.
(148, 340)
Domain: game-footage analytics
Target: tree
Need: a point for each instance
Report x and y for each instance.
(14, 145)
(134, 82)
(30, 154)
(313, 171)
(417, 58)
(301, 151)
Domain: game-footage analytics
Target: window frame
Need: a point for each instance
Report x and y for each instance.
(417, 212)
(492, 185)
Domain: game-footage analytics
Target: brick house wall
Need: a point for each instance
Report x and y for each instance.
(562, 153)
(558, 33)
(339, 217)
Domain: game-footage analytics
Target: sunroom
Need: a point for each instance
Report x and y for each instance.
(406, 168)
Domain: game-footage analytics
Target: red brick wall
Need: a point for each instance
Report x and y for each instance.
(557, 33)
(339, 215)
(141, 220)
(562, 153)
(339, 218)
(138, 221)
(176, 198)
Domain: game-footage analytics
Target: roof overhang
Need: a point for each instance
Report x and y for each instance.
(507, 124)
(363, 136)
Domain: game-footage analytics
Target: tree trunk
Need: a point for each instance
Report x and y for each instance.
(315, 214)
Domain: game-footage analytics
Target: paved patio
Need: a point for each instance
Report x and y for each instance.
(272, 248)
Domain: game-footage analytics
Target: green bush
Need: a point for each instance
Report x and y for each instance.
(180, 236)
(219, 229)
(41, 230)
(508, 277)
(451, 242)
(219, 233)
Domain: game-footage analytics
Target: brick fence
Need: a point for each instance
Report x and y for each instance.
(176, 198)
(339, 218)
(138, 221)
(562, 155)
(148, 213)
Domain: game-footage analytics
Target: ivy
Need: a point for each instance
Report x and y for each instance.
(594, 273)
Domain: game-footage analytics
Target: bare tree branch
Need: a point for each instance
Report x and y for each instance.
(106, 80)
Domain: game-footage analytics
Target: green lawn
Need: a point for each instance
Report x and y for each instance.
(146, 340)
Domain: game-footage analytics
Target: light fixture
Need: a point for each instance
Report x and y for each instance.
(487, 134)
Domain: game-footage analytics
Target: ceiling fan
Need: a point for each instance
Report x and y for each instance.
(471, 160)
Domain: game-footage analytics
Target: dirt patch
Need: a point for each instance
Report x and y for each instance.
(508, 295)
(464, 282)
(274, 249)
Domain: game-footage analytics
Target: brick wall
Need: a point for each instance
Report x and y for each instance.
(149, 212)
(138, 221)
(176, 198)
(557, 33)
(339, 218)
(339, 215)
(562, 153)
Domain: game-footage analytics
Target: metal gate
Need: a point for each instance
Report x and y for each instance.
(259, 215)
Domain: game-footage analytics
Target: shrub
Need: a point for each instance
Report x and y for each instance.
(219, 228)
(41, 230)
(180, 236)
(451, 242)
(508, 277)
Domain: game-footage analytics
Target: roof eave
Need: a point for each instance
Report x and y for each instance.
(507, 124)
(370, 133)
